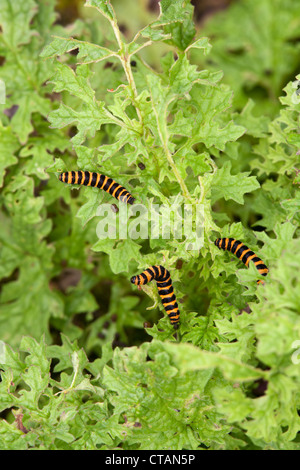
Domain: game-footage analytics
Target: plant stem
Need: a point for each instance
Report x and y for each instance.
(164, 141)
(125, 60)
(176, 172)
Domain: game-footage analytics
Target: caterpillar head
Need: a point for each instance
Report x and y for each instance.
(60, 176)
(134, 280)
(217, 241)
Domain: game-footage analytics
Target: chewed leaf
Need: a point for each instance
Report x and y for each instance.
(202, 43)
(151, 291)
(174, 24)
(88, 52)
(103, 6)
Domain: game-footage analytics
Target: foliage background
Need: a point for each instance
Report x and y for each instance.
(187, 122)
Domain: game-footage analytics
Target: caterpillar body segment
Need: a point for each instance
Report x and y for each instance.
(165, 289)
(153, 272)
(97, 180)
(244, 253)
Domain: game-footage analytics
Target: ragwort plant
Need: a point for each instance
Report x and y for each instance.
(78, 370)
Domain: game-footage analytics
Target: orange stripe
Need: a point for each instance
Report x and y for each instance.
(113, 182)
(175, 317)
(152, 270)
(263, 271)
(76, 177)
(82, 177)
(164, 288)
(143, 280)
(124, 190)
(249, 259)
(165, 280)
(244, 252)
(90, 180)
(166, 295)
(170, 303)
(97, 180)
(258, 262)
(69, 177)
(118, 187)
(104, 182)
(148, 275)
(238, 247)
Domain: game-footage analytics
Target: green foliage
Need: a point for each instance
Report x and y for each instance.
(78, 369)
(256, 44)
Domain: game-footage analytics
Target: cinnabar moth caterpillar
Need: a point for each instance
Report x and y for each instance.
(97, 180)
(243, 253)
(165, 289)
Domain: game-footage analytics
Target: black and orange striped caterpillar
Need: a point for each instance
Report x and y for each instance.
(97, 180)
(243, 253)
(165, 289)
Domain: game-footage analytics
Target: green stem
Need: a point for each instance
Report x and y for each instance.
(172, 164)
(125, 60)
(180, 180)
(119, 122)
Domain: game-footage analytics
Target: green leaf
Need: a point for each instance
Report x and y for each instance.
(103, 6)
(28, 312)
(254, 46)
(173, 127)
(121, 255)
(232, 186)
(189, 358)
(201, 43)
(88, 120)
(174, 24)
(88, 52)
(8, 146)
(15, 20)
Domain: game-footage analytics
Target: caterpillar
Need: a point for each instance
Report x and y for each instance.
(97, 180)
(243, 253)
(165, 289)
